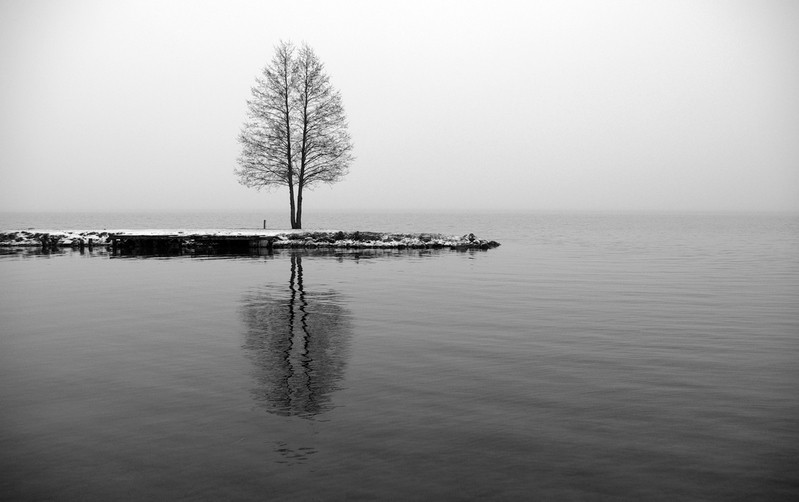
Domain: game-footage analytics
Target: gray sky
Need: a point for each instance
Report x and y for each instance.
(615, 105)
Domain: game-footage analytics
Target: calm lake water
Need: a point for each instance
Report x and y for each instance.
(631, 357)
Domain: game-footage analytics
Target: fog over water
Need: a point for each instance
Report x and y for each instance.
(619, 105)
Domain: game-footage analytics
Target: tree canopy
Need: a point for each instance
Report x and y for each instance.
(296, 132)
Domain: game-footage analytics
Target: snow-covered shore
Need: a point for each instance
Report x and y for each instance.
(55, 238)
(274, 238)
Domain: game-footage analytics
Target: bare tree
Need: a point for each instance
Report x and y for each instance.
(296, 132)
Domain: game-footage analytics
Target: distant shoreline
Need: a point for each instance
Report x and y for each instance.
(213, 240)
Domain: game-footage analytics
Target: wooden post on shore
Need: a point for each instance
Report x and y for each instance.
(264, 224)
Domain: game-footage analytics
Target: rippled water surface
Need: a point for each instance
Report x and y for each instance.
(589, 357)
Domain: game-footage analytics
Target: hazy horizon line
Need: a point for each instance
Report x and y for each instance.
(395, 210)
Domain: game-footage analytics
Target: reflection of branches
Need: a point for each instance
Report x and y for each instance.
(298, 341)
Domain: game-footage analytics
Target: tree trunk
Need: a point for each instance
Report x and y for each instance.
(292, 206)
(287, 117)
(298, 218)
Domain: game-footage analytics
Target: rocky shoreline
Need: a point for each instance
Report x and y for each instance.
(53, 239)
(219, 239)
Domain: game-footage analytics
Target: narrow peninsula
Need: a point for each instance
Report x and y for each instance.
(234, 241)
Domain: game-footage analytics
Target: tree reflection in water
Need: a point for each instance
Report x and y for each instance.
(298, 341)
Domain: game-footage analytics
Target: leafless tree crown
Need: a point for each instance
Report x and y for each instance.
(296, 129)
